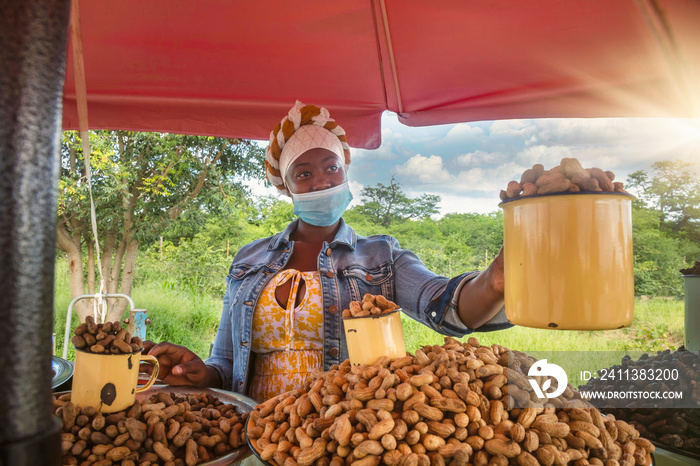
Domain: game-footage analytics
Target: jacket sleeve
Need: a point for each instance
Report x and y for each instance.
(432, 299)
(222, 353)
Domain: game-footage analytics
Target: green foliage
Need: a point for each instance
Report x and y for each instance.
(454, 244)
(142, 183)
(666, 223)
(152, 177)
(672, 188)
(385, 204)
(657, 326)
(272, 214)
(659, 254)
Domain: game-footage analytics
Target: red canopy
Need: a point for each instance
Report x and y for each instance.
(234, 68)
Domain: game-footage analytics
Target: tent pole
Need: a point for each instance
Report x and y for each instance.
(76, 34)
(392, 61)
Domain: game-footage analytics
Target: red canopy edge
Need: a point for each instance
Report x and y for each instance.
(234, 69)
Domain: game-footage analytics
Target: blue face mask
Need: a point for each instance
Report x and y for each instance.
(323, 208)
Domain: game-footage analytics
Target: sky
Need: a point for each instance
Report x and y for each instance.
(467, 164)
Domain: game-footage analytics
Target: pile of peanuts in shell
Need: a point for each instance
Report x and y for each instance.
(694, 270)
(673, 427)
(371, 305)
(109, 337)
(445, 405)
(568, 177)
(165, 429)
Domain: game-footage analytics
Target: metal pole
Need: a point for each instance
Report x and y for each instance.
(33, 43)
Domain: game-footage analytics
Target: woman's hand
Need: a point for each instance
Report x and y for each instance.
(180, 366)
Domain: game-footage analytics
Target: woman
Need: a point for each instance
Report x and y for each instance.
(285, 294)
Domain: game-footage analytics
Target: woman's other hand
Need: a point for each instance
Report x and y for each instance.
(180, 366)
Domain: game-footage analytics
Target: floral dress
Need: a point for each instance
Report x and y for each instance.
(287, 342)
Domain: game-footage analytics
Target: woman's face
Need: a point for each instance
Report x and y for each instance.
(315, 170)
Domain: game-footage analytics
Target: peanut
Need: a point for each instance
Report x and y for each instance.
(603, 180)
(509, 449)
(513, 189)
(528, 176)
(555, 429)
(309, 455)
(556, 184)
(368, 447)
(517, 433)
(433, 442)
(572, 168)
(529, 189)
(382, 428)
(429, 412)
(526, 459)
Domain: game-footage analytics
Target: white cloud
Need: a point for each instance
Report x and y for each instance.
(479, 158)
(547, 155)
(464, 131)
(356, 190)
(486, 180)
(388, 133)
(383, 152)
(522, 129)
(425, 170)
(258, 189)
(453, 203)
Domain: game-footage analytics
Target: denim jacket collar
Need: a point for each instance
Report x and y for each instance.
(345, 236)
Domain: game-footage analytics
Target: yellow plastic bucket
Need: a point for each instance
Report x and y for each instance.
(370, 338)
(568, 261)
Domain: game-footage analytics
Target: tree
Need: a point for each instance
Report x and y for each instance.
(482, 233)
(141, 183)
(673, 189)
(272, 214)
(383, 204)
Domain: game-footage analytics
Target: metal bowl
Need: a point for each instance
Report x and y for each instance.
(254, 448)
(62, 371)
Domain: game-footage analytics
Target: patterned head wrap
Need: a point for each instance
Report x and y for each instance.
(305, 127)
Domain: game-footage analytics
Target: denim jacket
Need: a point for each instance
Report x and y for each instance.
(349, 267)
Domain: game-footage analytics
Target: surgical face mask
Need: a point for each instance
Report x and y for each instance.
(323, 208)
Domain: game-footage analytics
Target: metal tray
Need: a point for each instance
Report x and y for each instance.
(670, 455)
(241, 402)
(62, 371)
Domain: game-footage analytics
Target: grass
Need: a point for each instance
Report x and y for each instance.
(658, 325)
(189, 319)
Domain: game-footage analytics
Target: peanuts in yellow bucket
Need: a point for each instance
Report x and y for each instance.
(371, 305)
(568, 177)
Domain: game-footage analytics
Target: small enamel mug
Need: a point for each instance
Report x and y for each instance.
(369, 338)
(109, 382)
